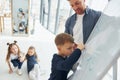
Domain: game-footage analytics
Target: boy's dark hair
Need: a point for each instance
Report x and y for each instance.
(63, 38)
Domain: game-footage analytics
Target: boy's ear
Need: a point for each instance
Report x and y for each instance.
(59, 48)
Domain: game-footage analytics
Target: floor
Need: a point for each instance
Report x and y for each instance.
(44, 44)
(45, 48)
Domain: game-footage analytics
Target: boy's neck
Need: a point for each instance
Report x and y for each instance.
(60, 54)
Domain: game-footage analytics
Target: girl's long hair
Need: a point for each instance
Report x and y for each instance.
(9, 50)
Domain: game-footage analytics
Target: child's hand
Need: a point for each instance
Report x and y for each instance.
(10, 71)
(75, 46)
(38, 60)
(21, 59)
(81, 46)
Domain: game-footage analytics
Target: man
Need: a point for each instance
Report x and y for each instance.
(81, 24)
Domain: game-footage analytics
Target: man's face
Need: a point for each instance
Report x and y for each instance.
(66, 49)
(78, 6)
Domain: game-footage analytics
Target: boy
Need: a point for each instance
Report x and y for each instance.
(66, 57)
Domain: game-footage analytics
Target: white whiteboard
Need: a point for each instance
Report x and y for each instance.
(102, 47)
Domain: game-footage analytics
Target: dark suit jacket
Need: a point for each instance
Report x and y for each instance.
(89, 20)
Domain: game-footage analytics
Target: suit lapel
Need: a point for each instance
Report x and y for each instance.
(84, 29)
(73, 22)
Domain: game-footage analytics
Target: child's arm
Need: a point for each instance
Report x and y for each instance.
(38, 60)
(67, 64)
(9, 65)
(22, 57)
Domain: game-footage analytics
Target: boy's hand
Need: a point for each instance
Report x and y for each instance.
(10, 71)
(81, 46)
(75, 46)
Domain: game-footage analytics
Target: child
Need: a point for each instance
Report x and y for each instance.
(66, 57)
(14, 56)
(21, 27)
(32, 64)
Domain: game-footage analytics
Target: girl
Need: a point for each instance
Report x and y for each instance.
(14, 56)
(32, 64)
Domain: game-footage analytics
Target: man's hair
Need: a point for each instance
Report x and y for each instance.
(63, 38)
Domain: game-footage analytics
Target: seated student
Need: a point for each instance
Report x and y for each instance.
(66, 57)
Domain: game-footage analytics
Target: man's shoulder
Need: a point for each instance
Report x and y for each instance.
(72, 17)
(92, 11)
